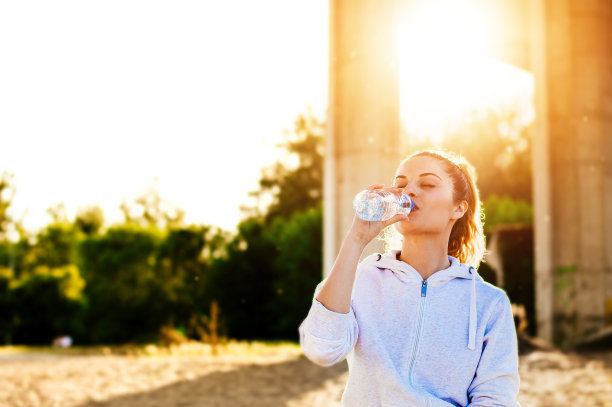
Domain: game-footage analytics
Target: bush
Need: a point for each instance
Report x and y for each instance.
(47, 303)
(506, 211)
(265, 284)
(6, 314)
(243, 283)
(298, 270)
(126, 300)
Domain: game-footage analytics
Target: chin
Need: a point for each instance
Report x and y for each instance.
(405, 226)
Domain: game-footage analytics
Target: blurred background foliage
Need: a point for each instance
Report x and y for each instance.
(133, 280)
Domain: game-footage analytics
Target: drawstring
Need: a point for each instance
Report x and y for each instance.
(473, 315)
(472, 333)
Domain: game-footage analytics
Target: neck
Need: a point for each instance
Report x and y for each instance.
(426, 254)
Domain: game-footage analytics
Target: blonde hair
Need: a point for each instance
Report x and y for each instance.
(466, 241)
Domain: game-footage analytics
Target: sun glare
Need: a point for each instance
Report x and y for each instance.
(444, 71)
(445, 27)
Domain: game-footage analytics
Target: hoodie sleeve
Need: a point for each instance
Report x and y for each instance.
(496, 382)
(326, 336)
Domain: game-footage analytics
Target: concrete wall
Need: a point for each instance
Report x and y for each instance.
(567, 44)
(362, 146)
(579, 113)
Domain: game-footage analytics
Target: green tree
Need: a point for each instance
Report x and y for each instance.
(125, 298)
(497, 142)
(6, 312)
(505, 211)
(56, 245)
(297, 187)
(183, 264)
(46, 303)
(7, 194)
(264, 286)
(297, 267)
(58, 213)
(149, 209)
(265, 282)
(243, 283)
(10, 227)
(90, 220)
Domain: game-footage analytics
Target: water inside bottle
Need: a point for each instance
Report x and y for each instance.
(373, 205)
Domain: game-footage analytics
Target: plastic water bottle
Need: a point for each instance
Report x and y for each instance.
(379, 204)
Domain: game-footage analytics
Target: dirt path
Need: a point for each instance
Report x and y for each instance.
(548, 379)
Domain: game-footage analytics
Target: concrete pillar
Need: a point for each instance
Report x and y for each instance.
(575, 264)
(543, 261)
(570, 53)
(363, 141)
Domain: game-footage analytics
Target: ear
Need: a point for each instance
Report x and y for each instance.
(460, 210)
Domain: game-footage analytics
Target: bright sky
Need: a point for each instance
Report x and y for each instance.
(99, 98)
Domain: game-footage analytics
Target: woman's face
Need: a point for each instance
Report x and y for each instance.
(425, 180)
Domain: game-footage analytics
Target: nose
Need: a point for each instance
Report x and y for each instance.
(409, 190)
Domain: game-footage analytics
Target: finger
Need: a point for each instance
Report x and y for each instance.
(395, 190)
(376, 186)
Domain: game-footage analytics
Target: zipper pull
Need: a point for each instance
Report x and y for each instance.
(424, 289)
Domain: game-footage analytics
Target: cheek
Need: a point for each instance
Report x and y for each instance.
(442, 201)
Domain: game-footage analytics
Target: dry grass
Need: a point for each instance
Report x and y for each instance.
(226, 349)
(246, 374)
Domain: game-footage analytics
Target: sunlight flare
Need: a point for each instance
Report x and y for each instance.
(445, 72)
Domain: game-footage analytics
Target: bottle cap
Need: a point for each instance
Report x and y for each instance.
(406, 203)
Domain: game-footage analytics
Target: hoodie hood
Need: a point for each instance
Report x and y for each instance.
(407, 273)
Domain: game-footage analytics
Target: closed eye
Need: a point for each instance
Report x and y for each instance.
(422, 185)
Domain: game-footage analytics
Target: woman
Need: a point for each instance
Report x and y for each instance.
(418, 326)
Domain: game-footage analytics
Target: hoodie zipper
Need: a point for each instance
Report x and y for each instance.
(424, 289)
(419, 325)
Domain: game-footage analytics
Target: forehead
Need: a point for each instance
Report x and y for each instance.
(415, 166)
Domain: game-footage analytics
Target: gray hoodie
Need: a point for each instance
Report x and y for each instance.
(447, 341)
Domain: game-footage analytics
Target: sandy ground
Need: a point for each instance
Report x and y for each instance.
(272, 377)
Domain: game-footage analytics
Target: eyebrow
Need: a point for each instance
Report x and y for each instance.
(420, 175)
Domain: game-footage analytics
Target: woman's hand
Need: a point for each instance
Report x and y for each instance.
(363, 231)
(335, 294)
